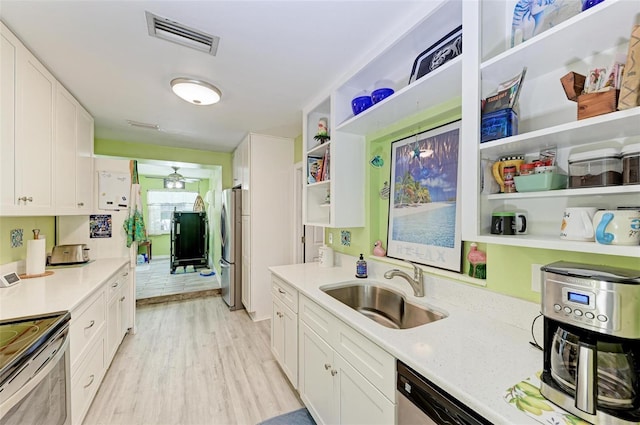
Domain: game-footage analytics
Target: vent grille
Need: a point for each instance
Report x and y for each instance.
(175, 32)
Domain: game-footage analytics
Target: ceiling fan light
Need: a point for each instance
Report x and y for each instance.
(196, 92)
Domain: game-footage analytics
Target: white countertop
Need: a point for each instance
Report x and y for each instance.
(471, 354)
(65, 289)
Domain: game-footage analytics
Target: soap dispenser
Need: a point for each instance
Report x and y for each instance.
(361, 268)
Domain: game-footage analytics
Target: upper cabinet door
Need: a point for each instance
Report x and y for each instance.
(84, 161)
(8, 63)
(65, 154)
(35, 97)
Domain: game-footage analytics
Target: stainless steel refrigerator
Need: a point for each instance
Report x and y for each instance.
(231, 240)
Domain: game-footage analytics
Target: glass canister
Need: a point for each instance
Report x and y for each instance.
(631, 164)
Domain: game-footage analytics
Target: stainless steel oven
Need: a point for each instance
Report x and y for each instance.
(34, 370)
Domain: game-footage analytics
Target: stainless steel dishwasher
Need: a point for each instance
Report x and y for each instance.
(422, 402)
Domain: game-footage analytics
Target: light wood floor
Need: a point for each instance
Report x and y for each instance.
(193, 362)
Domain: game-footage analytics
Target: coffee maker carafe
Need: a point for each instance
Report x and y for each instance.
(592, 341)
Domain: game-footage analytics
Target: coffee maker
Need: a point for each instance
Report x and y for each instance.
(592, 341)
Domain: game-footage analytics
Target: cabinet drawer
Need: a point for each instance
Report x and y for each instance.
(85, 382)
(374, 363)
(285, 293)
(116, 282)
(86, 322)
(318, 319)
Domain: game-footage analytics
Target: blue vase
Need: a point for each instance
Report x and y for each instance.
(590, 3)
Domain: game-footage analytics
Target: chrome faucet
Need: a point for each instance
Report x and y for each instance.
(417, 283)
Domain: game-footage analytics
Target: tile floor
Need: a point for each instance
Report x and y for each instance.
(154, 279)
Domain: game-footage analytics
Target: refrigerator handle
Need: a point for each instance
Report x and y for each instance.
(224, 264)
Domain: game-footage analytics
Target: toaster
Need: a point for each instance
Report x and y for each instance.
(69, 254)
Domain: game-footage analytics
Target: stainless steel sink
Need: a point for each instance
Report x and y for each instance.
(384, 306)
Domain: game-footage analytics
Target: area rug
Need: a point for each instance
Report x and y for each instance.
(297, 417)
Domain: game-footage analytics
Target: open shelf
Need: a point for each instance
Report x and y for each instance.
(555, 243)
(563, 193)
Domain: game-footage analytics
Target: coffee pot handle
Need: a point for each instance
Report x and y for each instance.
(496, 170)
(586, 390)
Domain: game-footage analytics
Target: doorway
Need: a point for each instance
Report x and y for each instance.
(156, 277)
(307, 239)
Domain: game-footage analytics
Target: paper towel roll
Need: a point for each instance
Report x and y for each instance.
(36, 256)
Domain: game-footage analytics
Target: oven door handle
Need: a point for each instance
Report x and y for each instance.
(58, 347)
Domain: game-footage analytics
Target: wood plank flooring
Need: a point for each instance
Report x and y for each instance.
(193, 362)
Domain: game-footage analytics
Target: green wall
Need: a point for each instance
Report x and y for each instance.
(508, 268)
(27, 224)
(130, 150)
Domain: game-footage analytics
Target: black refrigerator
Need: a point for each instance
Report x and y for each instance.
(231, 243)
(189, 240)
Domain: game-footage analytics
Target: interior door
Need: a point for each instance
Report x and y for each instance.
(313, 240)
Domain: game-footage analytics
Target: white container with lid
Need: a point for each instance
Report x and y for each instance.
(599, 167)
(631, 164)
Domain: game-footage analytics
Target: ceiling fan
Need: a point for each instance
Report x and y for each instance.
(175, 180)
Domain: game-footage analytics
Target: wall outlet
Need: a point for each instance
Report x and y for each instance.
(536, 278)
(330, 238)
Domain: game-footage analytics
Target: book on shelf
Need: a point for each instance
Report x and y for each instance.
(506, 96)
(318, 168)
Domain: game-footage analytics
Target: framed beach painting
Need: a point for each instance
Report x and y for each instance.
(424, 215)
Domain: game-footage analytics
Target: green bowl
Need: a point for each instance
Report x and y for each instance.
(539, 182)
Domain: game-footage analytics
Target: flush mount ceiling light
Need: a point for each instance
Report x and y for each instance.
(174, 180)
(195, 91)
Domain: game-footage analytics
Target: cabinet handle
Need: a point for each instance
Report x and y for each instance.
(25, 199)
(125, 274)
(91, 378)
(281, 291)
(334, 372)
(81, 204)
(93, 322)
(327, 366)
(122, 299)
(115, 285)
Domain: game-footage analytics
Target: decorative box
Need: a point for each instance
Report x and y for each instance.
(499, 124)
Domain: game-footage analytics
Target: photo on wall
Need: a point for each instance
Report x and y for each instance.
(424, 215)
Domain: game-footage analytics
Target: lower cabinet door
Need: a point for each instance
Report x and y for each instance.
(359, 402)
(290, 350)
(315, 378)
(277, 332)
(86, 380)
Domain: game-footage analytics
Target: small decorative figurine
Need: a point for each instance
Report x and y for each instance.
(323, 131)
(378, 250)
(478, 262)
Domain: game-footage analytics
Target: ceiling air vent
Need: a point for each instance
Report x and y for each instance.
(175, 32)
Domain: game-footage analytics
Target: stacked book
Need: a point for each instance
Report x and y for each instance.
(318, 168)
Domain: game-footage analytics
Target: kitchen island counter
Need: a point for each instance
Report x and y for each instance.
(64, 290)
(475, 354)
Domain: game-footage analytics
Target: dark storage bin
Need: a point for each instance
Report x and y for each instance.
(499, 124)
(189, 240)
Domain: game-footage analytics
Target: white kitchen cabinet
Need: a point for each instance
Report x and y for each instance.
(336, 386)
(29, 191)
(284, 328)
(267, 210)
(118, 307)
(47, 140)
(246, 262)
(339, 201)
(97, 328)
(74, 156)
(546, 117)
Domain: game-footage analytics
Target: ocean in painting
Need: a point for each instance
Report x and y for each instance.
(428, 224)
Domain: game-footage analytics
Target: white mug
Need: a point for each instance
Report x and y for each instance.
(617, 227)
(577, 224)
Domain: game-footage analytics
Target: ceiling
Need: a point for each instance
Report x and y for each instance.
(274, 57)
